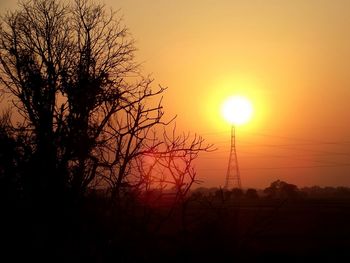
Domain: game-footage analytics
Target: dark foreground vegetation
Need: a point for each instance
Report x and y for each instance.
(211, 225)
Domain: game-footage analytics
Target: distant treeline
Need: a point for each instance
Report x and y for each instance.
(277, 189)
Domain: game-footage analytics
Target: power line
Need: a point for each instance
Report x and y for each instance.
(245, 143)
(297, 167)
(280, 167)
(283, 137)
(317, 152)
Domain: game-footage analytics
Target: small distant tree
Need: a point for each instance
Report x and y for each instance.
(219, 194)
(251, 193)
(281, 189)
(237, 193)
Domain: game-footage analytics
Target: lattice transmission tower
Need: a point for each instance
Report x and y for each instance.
(233, 178)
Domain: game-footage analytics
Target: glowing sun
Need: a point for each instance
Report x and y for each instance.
(237, 110)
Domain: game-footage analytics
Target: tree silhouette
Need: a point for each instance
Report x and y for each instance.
(251, 193)
(237, 193)
(86, 111)
(281, 189)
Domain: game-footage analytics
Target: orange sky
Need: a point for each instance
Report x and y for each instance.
(291, 58)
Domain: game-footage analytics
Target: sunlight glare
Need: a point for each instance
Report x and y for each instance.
(237, 110)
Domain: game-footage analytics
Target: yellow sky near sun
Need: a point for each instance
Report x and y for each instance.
(290, 58)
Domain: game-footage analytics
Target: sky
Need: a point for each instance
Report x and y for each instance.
(290, 58)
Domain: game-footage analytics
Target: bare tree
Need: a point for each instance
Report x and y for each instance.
(88, 112)
(168, 164)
